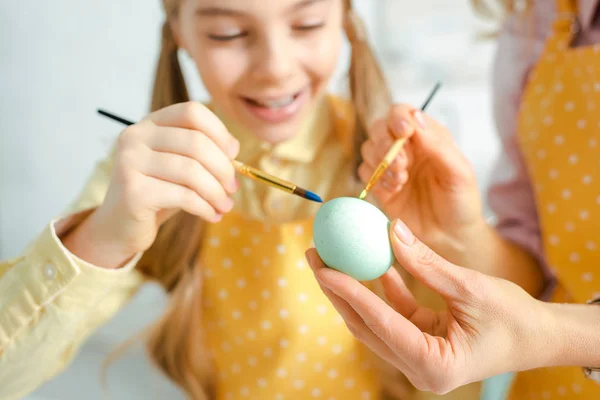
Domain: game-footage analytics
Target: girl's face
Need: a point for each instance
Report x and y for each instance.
(265, 63)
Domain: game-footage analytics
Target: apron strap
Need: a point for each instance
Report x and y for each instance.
(564, 27)
(566, 6)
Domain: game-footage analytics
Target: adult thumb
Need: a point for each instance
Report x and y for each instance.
(424, 264)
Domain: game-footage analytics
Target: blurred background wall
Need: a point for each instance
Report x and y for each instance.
(62, 59)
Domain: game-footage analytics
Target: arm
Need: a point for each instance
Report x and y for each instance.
(432, 187)
(491, 326)
(51, 301)
(571, 336)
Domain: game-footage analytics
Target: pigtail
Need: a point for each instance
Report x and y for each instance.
(169, 83)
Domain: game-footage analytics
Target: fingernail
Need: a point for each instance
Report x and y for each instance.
(228, 206)
(399, 127)
(307, 256)
(233, 185)
(420, 119)
(389, 174)
(233, 150)
(403, 233)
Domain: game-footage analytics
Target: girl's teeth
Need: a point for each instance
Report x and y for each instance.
(277, 103)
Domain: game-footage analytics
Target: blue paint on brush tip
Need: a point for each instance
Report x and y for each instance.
(313, 197)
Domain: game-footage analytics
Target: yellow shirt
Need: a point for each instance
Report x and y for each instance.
(51, 301)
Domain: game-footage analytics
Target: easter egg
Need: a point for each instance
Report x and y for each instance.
(351, 236)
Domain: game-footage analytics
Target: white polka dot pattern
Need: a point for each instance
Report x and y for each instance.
(272, 331)
(559, 134)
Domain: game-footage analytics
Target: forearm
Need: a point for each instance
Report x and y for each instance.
(569, 336)
(483, 249)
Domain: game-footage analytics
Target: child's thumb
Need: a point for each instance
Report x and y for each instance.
(424, 264)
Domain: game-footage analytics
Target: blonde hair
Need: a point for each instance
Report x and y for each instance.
(176, 342)
(500, 8)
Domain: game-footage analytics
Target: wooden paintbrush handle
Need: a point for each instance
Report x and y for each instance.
(394, 150)
(261, 176)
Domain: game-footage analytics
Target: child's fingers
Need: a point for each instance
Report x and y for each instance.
(186, 172)
(198, 146)
(196, 116)
(164, 195)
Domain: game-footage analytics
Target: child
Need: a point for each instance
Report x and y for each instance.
(246, 318)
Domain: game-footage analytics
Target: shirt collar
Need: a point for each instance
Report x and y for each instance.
(303, 147)
(586, 10)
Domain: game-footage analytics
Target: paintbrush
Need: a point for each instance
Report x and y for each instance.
(248, 171)
(393, 152)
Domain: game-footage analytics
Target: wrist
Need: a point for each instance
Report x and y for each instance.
(537, 341)
(571, 335)
(89, 242)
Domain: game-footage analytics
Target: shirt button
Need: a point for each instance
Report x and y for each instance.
(49, 272)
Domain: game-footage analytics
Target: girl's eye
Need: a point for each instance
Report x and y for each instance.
(227, 38)
(309, 27)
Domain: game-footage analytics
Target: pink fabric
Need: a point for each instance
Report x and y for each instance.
(511, 195)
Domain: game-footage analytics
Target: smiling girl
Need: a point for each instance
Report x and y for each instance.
(246, 318)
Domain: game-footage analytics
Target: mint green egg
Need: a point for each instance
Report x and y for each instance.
(351, 236)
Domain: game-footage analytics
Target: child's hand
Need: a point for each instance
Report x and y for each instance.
(178, 158)
(430, 185)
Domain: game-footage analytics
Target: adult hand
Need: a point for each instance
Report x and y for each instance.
(430, 185)
(490, 325)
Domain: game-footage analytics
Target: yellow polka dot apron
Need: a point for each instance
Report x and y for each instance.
(559, 135)
(273, 333)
